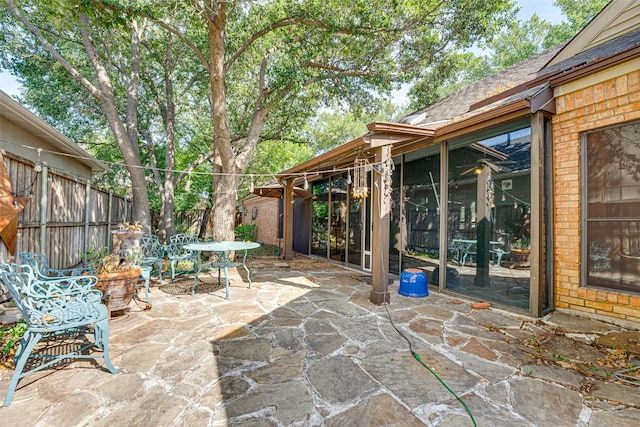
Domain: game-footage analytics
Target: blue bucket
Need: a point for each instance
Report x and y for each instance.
(413, 283)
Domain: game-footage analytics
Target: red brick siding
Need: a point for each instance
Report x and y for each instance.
(609, 102)
(266, 221)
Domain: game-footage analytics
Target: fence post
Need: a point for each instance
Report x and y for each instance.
(44, 201)
(87, 213)
(108, 240)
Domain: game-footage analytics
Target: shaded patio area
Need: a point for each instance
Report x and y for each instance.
(305, 347)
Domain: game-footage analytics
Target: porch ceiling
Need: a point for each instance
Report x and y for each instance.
(405, 138)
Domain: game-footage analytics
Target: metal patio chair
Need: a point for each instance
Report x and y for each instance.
(53, 308)
(176, 253)
(152, 255)
(600, 256)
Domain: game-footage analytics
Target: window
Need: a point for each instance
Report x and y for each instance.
(611, 208)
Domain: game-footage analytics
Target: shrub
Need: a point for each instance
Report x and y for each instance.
(10, 336)
(246, 232)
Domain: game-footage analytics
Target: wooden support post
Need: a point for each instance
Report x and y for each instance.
(288, 219)
(41, 245)
(483, 226)
(537, 295)
(87, 220)
(381, 193)
(109, 219)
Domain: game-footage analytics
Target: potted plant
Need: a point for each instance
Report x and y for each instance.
(520, 253)
(117, 276)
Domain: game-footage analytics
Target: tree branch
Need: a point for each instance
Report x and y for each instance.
(200, 160)
(164, 25)
(300, 20)
(53, 51)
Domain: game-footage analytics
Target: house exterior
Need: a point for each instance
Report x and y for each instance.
(264, 209)
(264, 213)
(520, 189)
(596, 148)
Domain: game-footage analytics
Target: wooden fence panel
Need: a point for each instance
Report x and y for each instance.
(66, 219)
(189, 221)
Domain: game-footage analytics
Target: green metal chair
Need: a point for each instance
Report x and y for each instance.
(177, 253)
(67, 307)
(152, 252)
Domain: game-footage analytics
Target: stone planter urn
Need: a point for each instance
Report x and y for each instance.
(117, 278)
(124, 243)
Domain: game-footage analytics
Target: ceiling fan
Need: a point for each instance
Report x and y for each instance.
(476, 168)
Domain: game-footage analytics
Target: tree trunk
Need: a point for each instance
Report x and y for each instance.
(224, 207)
(170, 157)
(225, 184)
(202, 234)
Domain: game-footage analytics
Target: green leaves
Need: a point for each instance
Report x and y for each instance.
(506, 43)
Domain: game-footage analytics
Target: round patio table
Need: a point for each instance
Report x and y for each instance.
(221, 260)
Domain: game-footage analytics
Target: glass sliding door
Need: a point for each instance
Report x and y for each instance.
(396, 236)
(368, 230)
(421, 210)
(489, 219)
(320, 220)
(359, 246)
(356, 231)
(339, 218)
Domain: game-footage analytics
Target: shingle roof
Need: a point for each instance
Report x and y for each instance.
(605, 50)
(458, 103)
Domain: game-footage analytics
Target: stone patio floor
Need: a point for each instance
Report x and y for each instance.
(305, 347)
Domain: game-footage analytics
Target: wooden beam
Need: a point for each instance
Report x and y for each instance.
(288, 219)
(399, 129)
(536, 295)
(483, 227)
(378, 140)
(381, 193)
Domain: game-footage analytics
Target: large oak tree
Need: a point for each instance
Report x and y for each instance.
(267, 65)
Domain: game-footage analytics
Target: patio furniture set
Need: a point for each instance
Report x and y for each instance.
(465, 249)
(66, 304)
(186, 247)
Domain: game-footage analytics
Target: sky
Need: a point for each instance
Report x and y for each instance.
(544, 8)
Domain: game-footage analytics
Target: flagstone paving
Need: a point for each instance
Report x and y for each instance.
(305, 347)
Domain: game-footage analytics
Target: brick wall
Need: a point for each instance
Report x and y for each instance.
(609, 97)
(267, 219)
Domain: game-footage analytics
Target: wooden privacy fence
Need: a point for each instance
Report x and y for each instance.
(189, 221)
(64, 216)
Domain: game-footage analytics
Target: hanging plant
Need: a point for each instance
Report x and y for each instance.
(359, 188)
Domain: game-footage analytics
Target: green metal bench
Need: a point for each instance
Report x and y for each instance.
(65, 307)
(176, 252)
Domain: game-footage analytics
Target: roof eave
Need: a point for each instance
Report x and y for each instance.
(380, 133)
(341, 150)
(593, 67)
(51, 135)
(485, 118)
